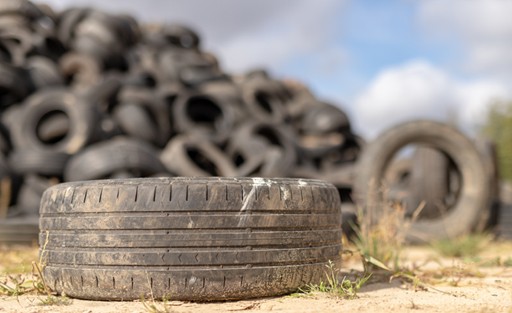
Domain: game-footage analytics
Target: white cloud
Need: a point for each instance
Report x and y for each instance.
(482, 27)
(303, 30)
(418, 89)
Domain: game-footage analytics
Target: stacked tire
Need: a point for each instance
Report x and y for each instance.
(94, 95)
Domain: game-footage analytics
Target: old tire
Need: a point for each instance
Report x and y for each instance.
(202, 239)
(473, 200)
(429, 181)
(19, 230)
(82, 120)
(104, 159)
(46, 163)
(193, 155)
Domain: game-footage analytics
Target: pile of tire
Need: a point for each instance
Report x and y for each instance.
(92, 95)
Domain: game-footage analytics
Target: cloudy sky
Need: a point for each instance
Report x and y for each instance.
(381, 61)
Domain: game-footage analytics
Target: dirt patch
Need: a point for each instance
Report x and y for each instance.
(479, 284)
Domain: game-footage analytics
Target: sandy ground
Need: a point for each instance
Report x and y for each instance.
(446, 285)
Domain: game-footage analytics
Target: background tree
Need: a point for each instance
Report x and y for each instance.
(498, 127)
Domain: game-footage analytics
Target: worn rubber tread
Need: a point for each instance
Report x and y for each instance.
(195, 285)
(192, 238)
(201, 239)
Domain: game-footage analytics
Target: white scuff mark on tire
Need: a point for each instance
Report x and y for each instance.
(248, 200)
(258, 181)
(247, 206)
(285, 192)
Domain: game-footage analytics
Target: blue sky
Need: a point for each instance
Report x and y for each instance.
(384, 62)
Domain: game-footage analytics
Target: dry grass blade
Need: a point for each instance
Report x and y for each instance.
(5, 199)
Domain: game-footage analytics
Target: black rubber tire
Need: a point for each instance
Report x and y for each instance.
(277, 137)
(255, 157)
(53, 128)
(82, 117)
(80, 70)
(141, 114)
(19, 230)
(43, 72)
(5, 139)
(201, 239)
(180, 36)
(108, 157)
(192, 155)
(263, 100)
(14, 83)
(429, 181)
(206, 113)
(489, 152)
(473, 201)
(397, 181)
(47, 163)
(67, 23)
(324, 119)
(29, 196)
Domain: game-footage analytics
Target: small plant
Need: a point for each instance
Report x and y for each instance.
(50, 300)
(380, 243)
(157, 306)
(344, 288)
(15, 285)
(462, 247)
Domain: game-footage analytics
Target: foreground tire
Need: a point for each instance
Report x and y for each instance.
(472, 204)
(201, 239)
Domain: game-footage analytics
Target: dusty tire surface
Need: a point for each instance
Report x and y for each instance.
(473, 201)
(199, 239)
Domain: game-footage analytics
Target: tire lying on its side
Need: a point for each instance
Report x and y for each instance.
(202, 239)
(473, 200)
(19, 230)
(105, 158)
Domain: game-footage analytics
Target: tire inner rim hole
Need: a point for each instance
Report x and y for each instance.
(6, 95)
(202, 161)
(264, 100)
(238, 159)
(53, 127)
(203, 110)
(404, 179)
(270, 135)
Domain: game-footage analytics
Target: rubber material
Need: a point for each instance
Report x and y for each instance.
(193, 155)
(48, 163)
(429, 181)
(278, 139)
(19, 230)
(82, 117)
(202, 239)
(108, 157)
(473, 200)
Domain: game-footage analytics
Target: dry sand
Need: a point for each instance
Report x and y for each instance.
(453, 285)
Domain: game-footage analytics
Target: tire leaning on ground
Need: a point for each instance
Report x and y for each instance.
(473, 199)
(202, 239)
(429, 181)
